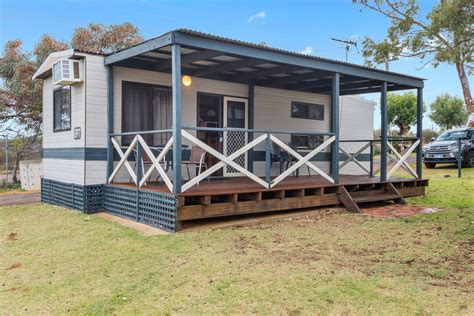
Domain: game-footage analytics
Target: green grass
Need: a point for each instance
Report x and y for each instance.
(331, 263)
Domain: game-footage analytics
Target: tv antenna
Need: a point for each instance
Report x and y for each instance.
(348, 44)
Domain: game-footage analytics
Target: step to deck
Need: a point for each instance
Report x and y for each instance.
(352, 199)
(376, 198)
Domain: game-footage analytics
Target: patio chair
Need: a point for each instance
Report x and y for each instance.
(146, 162)
(275, 156)
(289, 160)
(198, 159)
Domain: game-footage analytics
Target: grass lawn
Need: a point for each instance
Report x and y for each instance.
(53, 260)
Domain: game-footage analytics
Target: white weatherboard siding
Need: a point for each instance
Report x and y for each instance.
(96, 114)
(96, 110)
(273, 112)
(62, 169)
(356, 122)
(70, 171)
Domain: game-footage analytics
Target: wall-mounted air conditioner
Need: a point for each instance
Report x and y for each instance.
(67, 72)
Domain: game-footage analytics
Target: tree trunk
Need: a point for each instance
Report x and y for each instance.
(16, 167)
(465, 87)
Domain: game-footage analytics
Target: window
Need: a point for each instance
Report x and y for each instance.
(146, 107)
(62, 109)
(307, 111)
(305, 141)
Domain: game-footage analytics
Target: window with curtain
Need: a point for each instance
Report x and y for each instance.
(62, 109)
(146, 107)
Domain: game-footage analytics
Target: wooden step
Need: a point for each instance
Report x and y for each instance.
(376, 198)
(350, 200)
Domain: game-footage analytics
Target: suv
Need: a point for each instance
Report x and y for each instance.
(444, 149)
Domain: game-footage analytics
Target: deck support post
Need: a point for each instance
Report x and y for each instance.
(371, 158)
(110, 119)
(419, 132)
(268, 157)
(383, 133)
(138, 163)
(176, 93)
(251, 122)
(335, 127)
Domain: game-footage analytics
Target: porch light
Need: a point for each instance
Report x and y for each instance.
(187, 81)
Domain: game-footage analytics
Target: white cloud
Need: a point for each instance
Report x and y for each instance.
(259, 17)
(307, 51)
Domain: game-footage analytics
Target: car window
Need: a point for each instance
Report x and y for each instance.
(453, 135)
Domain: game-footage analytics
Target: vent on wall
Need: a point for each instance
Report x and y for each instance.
(67, 72)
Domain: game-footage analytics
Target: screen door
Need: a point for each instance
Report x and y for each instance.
(235, 116)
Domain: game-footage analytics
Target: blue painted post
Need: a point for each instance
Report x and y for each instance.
(268, 157)
(176, 84)
(335, 127)
(371, 158)
(251, 113)
(459, 158)
(419, 132)
(110, 119)
(383, 133)
(139, 163)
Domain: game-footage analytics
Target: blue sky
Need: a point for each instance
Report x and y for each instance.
(294, 25)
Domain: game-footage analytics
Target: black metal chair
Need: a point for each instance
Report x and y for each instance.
(289, 160)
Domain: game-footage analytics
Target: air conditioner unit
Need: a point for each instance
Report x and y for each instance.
(67, 72)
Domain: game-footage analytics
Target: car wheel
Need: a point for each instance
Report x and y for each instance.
(430, 165)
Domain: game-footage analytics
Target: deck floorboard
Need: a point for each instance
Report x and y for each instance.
(239, 185)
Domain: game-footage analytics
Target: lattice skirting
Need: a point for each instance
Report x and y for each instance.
(151, 208)
(85, 198)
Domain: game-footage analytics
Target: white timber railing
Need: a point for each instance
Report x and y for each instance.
(157, 162)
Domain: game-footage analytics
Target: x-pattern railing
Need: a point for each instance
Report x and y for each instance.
(139, 145)
(399, 159)
(155, 160)
(353, 157)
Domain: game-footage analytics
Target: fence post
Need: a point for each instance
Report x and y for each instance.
(268, 158)
(371, 158)
(459, 158)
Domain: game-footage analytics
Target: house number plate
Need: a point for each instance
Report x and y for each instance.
(77, 133)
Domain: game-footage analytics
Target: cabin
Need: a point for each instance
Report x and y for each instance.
(189, 126)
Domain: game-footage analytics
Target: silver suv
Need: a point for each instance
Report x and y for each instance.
(444, 149)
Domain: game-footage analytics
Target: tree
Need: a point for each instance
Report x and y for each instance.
(401, 109)
(448, 111)
(105, 39)
(428, 134)
(446, 35)
(20, 97)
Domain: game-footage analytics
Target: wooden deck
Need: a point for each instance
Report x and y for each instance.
(241, 195)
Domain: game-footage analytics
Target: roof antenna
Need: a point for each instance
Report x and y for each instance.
(348, 44)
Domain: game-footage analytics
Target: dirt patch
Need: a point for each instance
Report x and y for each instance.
(398, 210)
(12, 236)
(141, 228)
(16, 265)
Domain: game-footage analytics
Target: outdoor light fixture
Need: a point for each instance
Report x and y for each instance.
(187, 81)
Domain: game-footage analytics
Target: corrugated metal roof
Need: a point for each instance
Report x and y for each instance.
(283, 51)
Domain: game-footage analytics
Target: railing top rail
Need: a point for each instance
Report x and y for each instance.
(390, 138)
(257, 130)
(157, 131)
(357, 140)
(402, 138)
